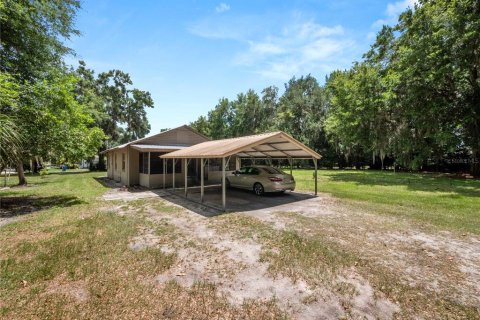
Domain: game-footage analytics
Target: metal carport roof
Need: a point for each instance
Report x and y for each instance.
(274, 145)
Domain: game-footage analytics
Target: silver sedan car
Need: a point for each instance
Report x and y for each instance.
(261, 179)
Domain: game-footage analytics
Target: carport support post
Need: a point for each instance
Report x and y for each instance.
(202, 182)
(238, 163)
(185, 168)
(173, 174)
(224, 192)
(149, 168)
(164, 171)
(315, 163)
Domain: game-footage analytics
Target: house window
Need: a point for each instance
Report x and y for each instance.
(123, 161)
(156, 163)
(115, 162)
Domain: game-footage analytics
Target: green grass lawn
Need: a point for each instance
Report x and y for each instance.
(436, 199)
(78, 183)
(68, 256)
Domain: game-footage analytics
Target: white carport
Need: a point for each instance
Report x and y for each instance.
(274, 145)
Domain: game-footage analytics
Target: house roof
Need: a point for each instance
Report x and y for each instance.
(138, 141)
(267, 145)
(154, 147)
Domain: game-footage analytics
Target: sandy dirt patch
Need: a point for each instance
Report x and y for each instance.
(234, 266)
(438, 262)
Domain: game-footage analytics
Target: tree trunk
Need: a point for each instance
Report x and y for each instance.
(475, 167)
(35, 165)
(21, 174)
(101, 162)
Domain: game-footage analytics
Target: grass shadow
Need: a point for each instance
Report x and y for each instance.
(68, 173)
(112, 184)
(108, 183)
(12, 206)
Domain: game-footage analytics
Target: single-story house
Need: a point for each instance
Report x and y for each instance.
(139, 163)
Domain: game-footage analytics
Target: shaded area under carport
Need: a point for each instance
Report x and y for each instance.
(239, 200)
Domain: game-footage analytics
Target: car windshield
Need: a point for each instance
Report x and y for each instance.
(272, 170)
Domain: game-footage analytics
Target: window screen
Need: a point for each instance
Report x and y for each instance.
(156, 163)
(178, 166)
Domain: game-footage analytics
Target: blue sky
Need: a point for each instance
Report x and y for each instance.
(189, 54)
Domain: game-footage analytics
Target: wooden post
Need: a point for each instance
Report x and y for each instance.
(290, 161)
(315, 163)
(173, 174)
(202, 182)
(149, 169)
(185, 168)
(238, 163)
(164, 171)
(224, 189)
(128, 166)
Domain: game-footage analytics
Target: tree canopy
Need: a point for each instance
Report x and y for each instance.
(412, 101)
(51, 112)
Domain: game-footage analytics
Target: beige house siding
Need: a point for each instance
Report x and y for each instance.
(182, 136)
(144, 180)
(115, 169)
(109, 166)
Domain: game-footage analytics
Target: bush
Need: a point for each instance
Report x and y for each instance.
(43, 172)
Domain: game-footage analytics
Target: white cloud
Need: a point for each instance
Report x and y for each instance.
(279, 50)
(300, 48)
(281, 70)
(222, 7)
(322, 49)
(312, 30)
(266, 48)
(394, 9)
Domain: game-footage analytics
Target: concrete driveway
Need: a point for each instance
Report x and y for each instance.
(245, 201)
(238, 200)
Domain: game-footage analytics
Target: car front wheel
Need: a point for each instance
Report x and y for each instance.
(258, 189)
